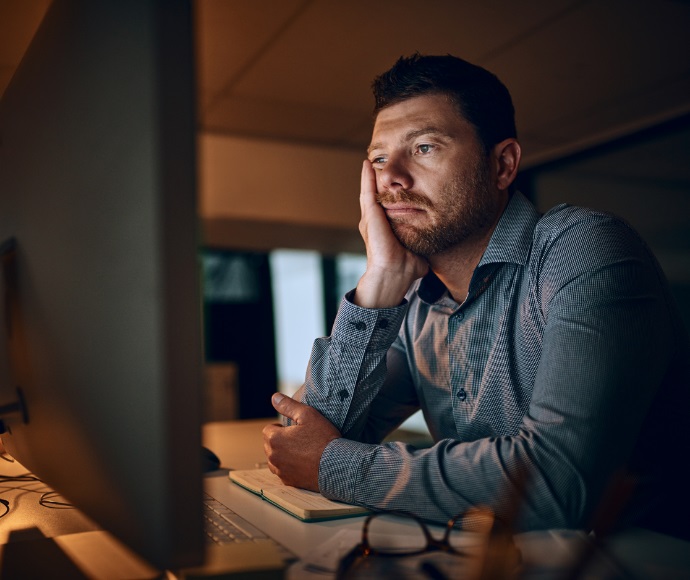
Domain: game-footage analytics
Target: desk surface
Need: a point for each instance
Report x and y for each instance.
(239, 445)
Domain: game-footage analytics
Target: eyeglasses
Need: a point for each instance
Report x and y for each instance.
(400, 545)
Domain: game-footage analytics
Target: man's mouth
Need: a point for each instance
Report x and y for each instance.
(401, 210)
(402, 203)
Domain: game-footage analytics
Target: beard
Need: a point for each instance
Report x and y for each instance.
(465, 207)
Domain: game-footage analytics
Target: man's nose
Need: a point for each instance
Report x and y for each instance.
(395, 175)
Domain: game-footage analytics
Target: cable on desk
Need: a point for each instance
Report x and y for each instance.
(47, 501)
(27, 477)
(7, 507)
(7, 457)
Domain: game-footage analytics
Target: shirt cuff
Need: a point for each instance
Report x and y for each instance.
(377, 326)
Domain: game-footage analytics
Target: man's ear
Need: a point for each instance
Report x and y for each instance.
(507, 155)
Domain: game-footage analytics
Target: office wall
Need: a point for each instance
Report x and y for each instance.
(285, 183)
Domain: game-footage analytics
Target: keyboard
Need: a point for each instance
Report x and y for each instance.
(229, 531)
(223, 526)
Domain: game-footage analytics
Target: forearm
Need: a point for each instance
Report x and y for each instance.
(347, 369)
(451, 477)
(527, 471)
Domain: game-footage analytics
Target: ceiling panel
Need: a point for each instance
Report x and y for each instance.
(333, 50)
(580, 71)
(603, 66)
(231, 36)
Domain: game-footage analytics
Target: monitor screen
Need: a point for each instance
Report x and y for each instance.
(100, 302)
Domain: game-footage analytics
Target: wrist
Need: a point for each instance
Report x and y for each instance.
(381, 290)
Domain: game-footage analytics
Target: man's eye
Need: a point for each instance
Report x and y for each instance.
(424, 148)
(378, 160)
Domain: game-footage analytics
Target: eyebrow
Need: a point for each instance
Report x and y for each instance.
(413, 134)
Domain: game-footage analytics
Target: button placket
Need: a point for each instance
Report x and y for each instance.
(458, 374)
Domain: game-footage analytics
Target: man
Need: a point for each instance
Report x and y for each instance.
(544, 351)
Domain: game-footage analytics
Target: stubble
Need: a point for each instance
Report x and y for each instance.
(464, 208)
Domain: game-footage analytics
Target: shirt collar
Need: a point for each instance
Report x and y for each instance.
(510, 242)
(512, 238)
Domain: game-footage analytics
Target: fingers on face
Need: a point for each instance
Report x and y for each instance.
(367, 197)
(368, 185)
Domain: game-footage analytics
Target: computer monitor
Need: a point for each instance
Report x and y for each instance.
(97, 205)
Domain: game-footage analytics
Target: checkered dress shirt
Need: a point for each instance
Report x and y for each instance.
(566, 362)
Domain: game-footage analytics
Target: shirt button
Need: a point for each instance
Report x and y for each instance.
(383, 323)
(462, 395)
(459, 316)
(343, 395)
(359, 325)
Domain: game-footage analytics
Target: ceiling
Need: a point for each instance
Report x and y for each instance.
(581, 72)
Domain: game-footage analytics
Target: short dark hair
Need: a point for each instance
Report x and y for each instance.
(480, 96)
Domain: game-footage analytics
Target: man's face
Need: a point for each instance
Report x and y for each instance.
(433, 178)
